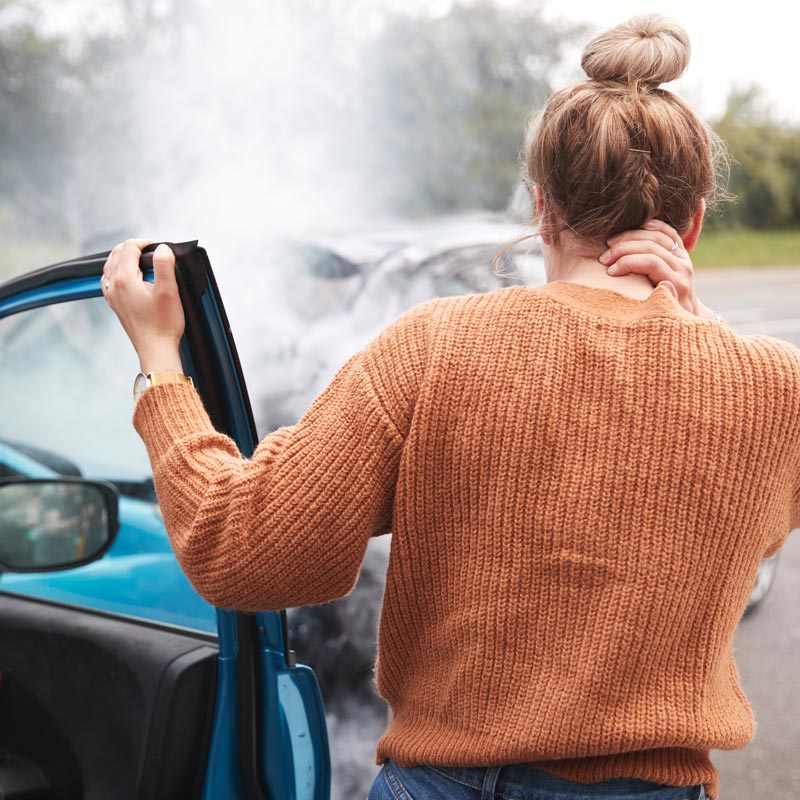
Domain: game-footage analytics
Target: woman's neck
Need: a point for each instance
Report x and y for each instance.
(568, 262)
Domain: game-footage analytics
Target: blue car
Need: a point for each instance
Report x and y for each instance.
(118, 680)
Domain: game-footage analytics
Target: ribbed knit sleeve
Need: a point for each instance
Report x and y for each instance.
(791, 384)
(289, 526)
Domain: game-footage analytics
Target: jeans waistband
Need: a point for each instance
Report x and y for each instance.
(518, 779)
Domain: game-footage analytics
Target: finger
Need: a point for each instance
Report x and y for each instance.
(638, 235)
(660, 225)
(164, 269)
(671, 287)
(127, 271)
(654, 267)
(110, 267)
(644, 247)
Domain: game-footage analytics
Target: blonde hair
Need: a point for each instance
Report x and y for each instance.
(616, 150)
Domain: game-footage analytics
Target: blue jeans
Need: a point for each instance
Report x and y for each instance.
(512, 782)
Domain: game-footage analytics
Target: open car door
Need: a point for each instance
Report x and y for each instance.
(117, 679)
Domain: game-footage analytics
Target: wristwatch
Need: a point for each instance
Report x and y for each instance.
(145, 381)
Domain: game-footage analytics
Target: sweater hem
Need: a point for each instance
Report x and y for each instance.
(670, 766)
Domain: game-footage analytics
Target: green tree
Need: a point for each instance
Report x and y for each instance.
(37, 94)
(446, 102)
(765, 174)
(70, 151)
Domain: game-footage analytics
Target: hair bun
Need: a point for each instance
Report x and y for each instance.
(647, 50)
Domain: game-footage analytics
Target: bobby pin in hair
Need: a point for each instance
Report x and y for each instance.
(636, 150)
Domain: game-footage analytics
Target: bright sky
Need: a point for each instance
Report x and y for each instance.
(733, 44)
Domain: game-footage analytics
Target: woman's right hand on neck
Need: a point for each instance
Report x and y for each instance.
(651, 251)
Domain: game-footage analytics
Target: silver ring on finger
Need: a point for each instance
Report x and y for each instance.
(107, 284)
(674, 247)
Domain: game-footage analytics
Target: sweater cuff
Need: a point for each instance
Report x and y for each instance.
(166, 413)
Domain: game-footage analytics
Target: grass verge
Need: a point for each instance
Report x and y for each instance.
(747, 248)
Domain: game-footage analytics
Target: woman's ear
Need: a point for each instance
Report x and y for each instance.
(538, 207)
(693, 234)
(537, 200)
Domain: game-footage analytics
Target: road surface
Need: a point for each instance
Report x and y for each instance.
(767, 644)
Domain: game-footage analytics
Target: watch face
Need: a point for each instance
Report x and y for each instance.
(139, 385)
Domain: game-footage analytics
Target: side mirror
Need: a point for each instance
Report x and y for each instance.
(52, 524)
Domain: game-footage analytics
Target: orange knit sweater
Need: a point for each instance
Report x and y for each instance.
(580, 487)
